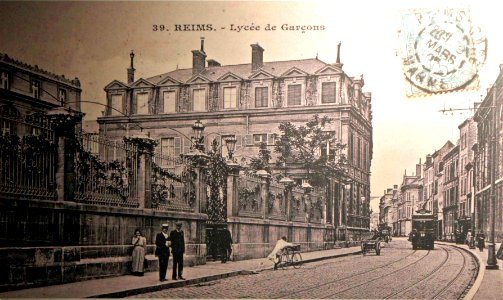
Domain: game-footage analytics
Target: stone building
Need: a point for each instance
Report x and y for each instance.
(450, 192)
(488, 161)
(467, 138)
(27, 92)
(248, 102)
(438, 184)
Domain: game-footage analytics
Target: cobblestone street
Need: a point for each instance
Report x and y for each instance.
(444, 273)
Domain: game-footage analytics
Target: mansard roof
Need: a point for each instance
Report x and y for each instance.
(277, 69)
(35, 69)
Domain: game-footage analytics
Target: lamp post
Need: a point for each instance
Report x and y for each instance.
(347, 198)
(491, 250)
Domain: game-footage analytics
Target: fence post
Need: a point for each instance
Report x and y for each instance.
(288, 201)
(144, 147)
(64, 122)
(264, 191)
(232, 191)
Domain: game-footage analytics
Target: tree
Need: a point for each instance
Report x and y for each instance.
(312, 148)
(262, 161)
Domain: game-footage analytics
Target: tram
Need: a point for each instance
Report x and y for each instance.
(423, 230)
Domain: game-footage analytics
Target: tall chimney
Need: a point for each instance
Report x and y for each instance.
(130, 71)
(257, 56)
(198, 59)
(418, 169)
(428, 159)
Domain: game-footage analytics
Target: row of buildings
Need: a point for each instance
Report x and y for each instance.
(461, 183)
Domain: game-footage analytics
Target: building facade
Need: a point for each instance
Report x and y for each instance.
(467, 139)
(488, 161)
(248, 102)
(450, 194)
(27, 93)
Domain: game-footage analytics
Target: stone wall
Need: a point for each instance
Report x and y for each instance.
(89, 241)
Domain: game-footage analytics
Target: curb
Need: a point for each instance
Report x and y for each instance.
(480, 273)
(177, 284)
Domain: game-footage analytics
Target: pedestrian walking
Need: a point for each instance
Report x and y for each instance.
(481, 241)
(468, 238)
(138, 256)
(162, 244)
(178, 249)
(226, 245)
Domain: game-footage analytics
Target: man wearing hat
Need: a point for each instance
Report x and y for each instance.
(162, 251)
(177, 248)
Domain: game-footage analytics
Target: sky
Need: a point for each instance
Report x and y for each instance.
(92, 41)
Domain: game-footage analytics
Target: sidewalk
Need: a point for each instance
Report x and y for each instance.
(488, 284)
(122, 286)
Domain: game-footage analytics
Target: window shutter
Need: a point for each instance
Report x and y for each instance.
(238, 141)
(178, 147)
(270, 138)
(248, 139)
(186, 146)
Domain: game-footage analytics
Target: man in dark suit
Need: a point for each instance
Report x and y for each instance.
(177, 248)
(162, 251)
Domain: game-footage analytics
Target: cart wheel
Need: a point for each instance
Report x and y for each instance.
(414, 247)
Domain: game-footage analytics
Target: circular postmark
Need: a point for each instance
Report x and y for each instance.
(443, 50)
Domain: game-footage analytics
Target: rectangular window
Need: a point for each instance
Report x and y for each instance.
(35, 89)
(328, 150)
(328, 92)
(142, 104)
(261, 97)
(199, 98)
(116, 105)
(4, 80)
(294, 94)
(259, 138)
(230, 97)
(62, 96)
(7, 127)
(167, 152)
(169, 101)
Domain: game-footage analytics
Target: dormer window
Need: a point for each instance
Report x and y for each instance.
(328, 92)
(294, 94)
(4, 80)
(199, 100)
(35, 89)
(142, 103)
(230, 97)
(62, 96)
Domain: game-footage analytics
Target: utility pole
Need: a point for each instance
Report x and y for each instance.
(491, 250)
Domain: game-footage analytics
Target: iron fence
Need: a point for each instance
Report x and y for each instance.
(27, 162)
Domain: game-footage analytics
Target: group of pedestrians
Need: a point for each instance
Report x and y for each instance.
(164, 240)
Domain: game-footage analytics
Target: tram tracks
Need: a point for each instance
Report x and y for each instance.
(309, 288)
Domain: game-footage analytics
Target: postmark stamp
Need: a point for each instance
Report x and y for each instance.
(441, 50)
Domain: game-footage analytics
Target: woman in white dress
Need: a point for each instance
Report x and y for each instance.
(139, 243)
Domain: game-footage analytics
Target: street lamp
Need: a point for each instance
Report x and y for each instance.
(230, 143)
(198, 129)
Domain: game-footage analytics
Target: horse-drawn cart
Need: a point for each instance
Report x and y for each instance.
(371, 244)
